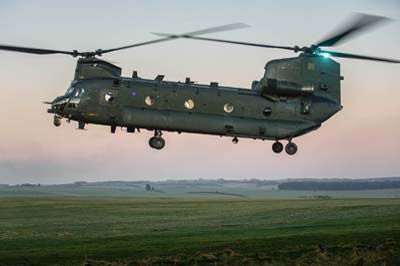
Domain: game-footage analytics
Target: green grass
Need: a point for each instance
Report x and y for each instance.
(72, 230)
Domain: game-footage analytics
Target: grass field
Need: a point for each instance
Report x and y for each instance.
(198, 231)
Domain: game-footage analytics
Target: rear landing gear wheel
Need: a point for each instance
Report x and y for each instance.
(235, 140)
(277, 147)
(291, 148)
(157, 143)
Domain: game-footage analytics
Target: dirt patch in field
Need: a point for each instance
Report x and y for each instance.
(362, 255)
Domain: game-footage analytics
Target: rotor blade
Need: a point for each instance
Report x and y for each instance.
(228, 27)
(133, 45)
(38, 51)
(360, 22)
(168, 37)
(227, 41)
(363, 57)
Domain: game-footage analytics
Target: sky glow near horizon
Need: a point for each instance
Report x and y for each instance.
(360, 141)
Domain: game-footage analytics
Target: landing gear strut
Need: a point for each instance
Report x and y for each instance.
(277, 147)
(157, 142)
(81, 125)
(113, 128)
(291, 148)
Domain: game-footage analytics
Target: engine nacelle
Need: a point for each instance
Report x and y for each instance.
(284, 88)
(307, 74)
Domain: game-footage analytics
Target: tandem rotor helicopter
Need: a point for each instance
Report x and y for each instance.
(295, 95)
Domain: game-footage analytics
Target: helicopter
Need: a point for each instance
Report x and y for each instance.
(294, 97)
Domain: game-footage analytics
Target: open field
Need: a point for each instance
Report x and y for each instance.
(198, 231)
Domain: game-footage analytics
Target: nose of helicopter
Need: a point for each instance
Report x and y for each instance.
(56, 104)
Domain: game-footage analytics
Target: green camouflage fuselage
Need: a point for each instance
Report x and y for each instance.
(294, 97)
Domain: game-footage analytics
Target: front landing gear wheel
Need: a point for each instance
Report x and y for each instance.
(277, 147)
(57, 121)
(291, 148)
(157, 143)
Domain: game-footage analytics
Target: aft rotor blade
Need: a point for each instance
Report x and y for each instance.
(362, 57)
(359, 23)
(38, 51)
(168, 37)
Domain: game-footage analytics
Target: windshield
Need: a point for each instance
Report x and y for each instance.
(71, 88)
(75, 90)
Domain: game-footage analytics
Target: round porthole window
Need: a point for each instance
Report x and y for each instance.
(189, 104)
(228, 108)
(150, 100)
(267, 111)
(109, 97)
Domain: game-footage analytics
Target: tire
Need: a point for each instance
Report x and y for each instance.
(157, 143)
(57, 121)
(291, 148)
(277, 147)
(151, 142)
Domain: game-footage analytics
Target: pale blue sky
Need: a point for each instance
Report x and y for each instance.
(360, 141)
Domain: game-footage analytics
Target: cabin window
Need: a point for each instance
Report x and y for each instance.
(109, 97)
(149, 100)
(228, 108)
(189, 104)
(306, 107)
(267, 111)
(311, 66)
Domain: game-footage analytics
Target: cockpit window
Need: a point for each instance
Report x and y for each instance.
(72, 88)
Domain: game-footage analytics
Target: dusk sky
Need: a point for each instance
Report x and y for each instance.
(363, 140)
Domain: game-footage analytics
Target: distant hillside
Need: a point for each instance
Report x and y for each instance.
(388, 187)
(339, 185)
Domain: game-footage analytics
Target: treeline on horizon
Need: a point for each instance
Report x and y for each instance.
(338, 185)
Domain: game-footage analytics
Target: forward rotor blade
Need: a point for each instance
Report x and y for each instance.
(363, 57)
(360, 22)
(99, 52)
(227, 41)
(168, 37)
(38, 51)
(133, 45)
